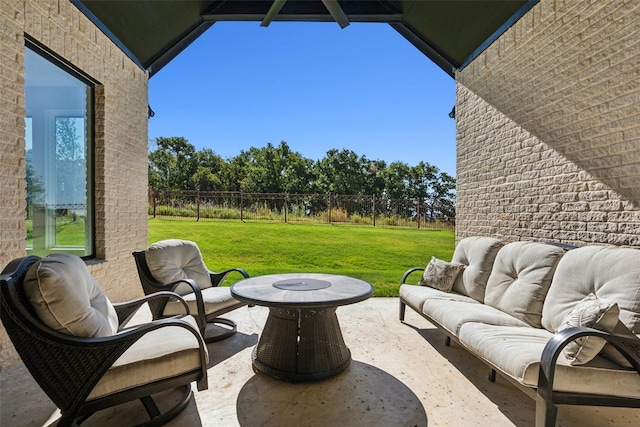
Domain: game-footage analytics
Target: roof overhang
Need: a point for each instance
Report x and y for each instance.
(451, 33)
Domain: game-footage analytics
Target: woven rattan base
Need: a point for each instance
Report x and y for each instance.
(301, 345)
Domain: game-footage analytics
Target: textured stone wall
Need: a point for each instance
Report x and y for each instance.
(120, 140)
(548, 128)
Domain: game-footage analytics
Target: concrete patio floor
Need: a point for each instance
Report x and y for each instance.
(402, 374)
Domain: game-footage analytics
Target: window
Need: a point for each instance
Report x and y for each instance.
(59, 144)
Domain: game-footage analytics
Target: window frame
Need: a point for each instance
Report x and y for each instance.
(90, 137)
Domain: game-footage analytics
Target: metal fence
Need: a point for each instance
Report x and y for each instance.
(312, 208)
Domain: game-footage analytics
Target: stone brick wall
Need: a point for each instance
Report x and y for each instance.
(120, 140)
(548, 128)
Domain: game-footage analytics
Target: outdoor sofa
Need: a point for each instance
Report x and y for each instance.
(561, 324)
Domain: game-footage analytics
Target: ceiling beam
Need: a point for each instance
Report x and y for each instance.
(273, 12)
(303, 17)
(336, 12)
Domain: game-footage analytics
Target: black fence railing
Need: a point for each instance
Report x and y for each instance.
(315, 208)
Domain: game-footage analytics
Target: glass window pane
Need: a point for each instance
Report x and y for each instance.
(59, 147)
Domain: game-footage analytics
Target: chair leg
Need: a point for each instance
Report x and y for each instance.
(159, 419)
(150, 406)
(230, 329)
(447, 341)
(403, 308)
(492, 376)
(546, 413)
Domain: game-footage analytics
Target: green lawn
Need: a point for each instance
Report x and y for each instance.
(377, 255)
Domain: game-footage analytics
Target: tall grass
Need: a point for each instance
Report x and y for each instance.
(377, 255)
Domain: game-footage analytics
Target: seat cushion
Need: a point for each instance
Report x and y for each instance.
(172, 260)
(477, 255)
(451, 315)
(520, 279)
(67, 299)
(415, 296)
(163, 353)
(215, 299)
(611, 274)
(516, 352)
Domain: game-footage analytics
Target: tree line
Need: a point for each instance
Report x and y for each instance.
(175, 165)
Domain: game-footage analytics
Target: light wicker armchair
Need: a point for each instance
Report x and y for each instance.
(80, 350)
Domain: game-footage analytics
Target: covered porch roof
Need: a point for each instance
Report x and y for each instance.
(450, 33)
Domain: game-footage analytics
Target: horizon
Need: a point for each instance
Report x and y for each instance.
(313, 85)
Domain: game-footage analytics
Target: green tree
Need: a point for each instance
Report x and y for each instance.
(396, 178)
(343, 172)
(210, 169)
(173, 164)
(273, 170)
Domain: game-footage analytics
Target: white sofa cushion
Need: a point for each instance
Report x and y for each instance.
(612, 274)
(440, 274)
(520, 279)
(477, 255)
(415, 296)
(146, 360)
(591, 312)
(516, 351)
(66, 297)
(451, 315)
(172, 260)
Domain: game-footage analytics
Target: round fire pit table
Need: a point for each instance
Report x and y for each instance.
(301, 339)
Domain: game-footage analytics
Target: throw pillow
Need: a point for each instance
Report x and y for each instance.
(440, 274)
(590, 312)
(611, 353)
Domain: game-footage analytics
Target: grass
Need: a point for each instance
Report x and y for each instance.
(377, 255)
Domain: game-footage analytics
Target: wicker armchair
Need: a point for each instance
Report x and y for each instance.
(81, 374)
(177, 266)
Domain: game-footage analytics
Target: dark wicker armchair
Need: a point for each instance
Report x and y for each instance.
(83, 375)
(177, 266)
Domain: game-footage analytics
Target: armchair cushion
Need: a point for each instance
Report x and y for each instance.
(173, 259)
(147, 359)
(215, 299)
(67, 299)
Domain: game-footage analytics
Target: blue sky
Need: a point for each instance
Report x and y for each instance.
(364, 88)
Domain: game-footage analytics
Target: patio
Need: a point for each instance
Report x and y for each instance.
(401, 374)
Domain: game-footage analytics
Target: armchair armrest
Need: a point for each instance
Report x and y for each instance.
(407, 273)
(217, 278)
(201, 318)
(126, 310)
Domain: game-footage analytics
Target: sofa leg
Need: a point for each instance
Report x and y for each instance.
(546, 413)
(492, 376)
(447, 341)
(403, 308)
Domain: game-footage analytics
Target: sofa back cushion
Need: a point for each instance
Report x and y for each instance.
(520, 279)
(477, 255)
(611, 274)
(171, 260)
(67, 299)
